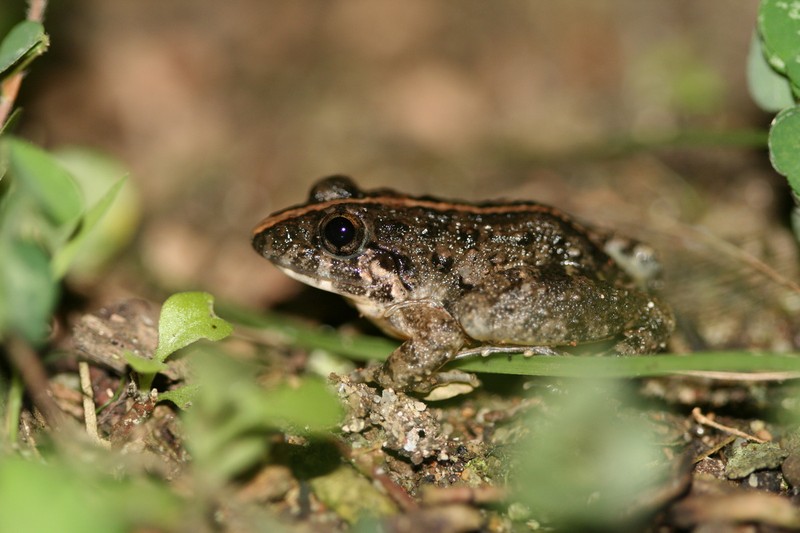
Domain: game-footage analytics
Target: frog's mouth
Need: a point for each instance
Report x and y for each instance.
(319, 283)
(324, 284)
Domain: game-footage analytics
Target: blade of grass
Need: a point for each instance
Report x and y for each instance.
(278, 329)
(284, 330)
(632, 366)
(13, 407)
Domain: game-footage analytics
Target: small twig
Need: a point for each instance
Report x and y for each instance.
(89, 415)
(27, 362)
(749, 259)
(703, 419)
(731, 250)
(8, 93)
(14, 408)
(714, 449)
(36, 9)
(482, 495)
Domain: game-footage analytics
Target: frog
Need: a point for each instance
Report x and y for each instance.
(447, 277)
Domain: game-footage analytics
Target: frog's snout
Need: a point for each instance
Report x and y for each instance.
(262, 243)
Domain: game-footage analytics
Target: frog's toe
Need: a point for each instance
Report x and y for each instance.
(436, 386)
(445, 385)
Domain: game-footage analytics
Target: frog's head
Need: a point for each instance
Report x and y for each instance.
(329, 243)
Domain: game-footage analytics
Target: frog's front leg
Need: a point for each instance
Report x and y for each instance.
(434, 338)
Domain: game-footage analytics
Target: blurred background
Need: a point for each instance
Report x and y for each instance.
(225, 111)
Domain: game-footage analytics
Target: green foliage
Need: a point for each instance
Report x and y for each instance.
(47, 182)
(23, 43)
(784, 145)
(770, 89)
(185, 318)
(232, 411)
(79, 500)
(43, 219)
(779, 26)
(146, 368)
(27, 291)
(43, 216)
(774, 77)
(66, 255)
(365, 347)
(183, 397)
(99, 177)
(634, 366)
(51, 206)
(300, 334)
(590, 458)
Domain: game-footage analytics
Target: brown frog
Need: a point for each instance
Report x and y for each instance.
(448, 276)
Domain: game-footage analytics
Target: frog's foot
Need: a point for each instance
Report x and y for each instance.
(436, 386)
(448, 384)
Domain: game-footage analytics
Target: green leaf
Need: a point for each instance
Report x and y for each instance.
(634, 366)
(308, 407)
(95, 173)
(297, 333)
(770, 90)
(232, 393)
(238, 455)
(11, 121)
(779, 25)
(22, 38)
(145, 368)
(784, 145)
(46, 180)
(95, 500)
(365, 347)
(142, 365)
(182, 397)
(185, 318)
(22, 484)
(28, 292)
(586, 460)
(234, 408)
(64, 257)
(793, 72)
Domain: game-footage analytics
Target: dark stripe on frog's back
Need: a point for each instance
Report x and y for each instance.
(404, 202)
(447, 213)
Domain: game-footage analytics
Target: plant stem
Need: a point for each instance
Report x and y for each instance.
(27, 362)
(36, 9)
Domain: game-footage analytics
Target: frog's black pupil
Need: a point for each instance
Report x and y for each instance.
(339, 231)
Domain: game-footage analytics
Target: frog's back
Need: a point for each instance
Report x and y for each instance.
(493, 236)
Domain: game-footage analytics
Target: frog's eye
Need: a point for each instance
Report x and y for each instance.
(342, 234)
